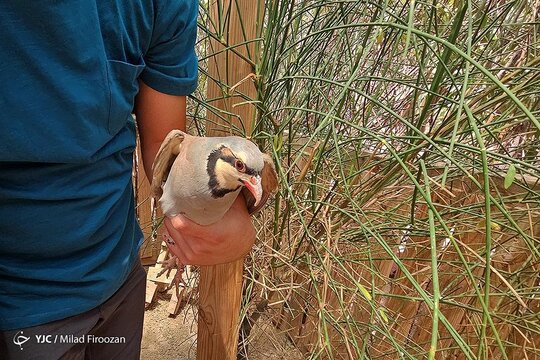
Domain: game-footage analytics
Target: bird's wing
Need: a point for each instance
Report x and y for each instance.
(269, 182)
(169, 149)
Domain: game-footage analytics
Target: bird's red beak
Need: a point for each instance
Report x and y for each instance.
(255, 188)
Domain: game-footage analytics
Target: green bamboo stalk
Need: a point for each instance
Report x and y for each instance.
(434, 268)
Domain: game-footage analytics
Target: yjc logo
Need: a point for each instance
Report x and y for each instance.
(20, 339)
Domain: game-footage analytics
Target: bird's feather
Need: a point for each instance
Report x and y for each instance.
(169, 149)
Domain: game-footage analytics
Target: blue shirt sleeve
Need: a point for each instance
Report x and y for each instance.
(171, 62)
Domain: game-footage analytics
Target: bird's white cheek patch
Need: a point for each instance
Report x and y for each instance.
(222, 169)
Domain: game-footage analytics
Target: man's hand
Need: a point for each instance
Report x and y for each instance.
(229, 239)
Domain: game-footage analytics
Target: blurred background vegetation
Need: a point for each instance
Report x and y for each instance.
(407, 142)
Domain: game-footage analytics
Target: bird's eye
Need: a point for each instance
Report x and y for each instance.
(240, 166)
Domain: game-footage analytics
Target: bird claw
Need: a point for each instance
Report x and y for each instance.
(170, 264)
(178, 279)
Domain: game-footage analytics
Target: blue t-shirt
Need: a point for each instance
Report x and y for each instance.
(69, 73)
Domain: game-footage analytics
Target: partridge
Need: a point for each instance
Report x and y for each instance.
(200, 177)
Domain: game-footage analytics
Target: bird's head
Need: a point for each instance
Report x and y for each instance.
(233, 165)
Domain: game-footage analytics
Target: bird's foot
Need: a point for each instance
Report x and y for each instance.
(178, 278)
(170, 264)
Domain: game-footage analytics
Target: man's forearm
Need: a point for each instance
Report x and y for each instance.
(157, 114)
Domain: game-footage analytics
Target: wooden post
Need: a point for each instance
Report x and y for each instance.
(230, 83)
(220, 291)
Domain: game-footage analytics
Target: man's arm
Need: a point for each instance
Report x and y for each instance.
(227, 240)
(157, 114)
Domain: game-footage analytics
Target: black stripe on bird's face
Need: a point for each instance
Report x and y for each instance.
(226, 155)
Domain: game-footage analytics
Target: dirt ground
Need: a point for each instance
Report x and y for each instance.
(168, 338)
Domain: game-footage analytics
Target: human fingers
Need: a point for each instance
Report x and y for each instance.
(177, 243)
(234, 221)
(188, 227)
(239, 204)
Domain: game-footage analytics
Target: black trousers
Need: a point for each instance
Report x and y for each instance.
(112, 330)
